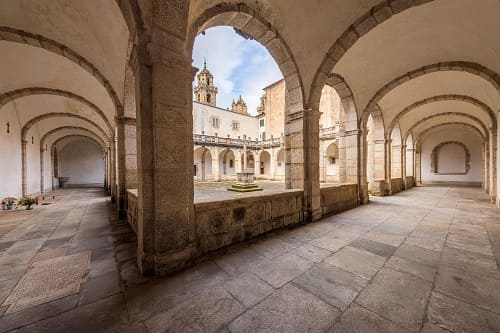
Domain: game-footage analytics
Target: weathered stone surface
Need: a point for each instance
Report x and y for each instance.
(248, 289)
(312, 253)
(456, 316)
(334, 240)
(333, 285)
(469, 287)
(278, 313)
(404, 297)
(241, 261)
(374, 247)
(411, 267)
(470, 261)
(207, 312)
(418, 254)
(362, 263)
(282, 269)
(386, 238)
(359, 320)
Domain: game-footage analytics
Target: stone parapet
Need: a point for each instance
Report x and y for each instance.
(397, 185)
(338, 198)
(224, 222)
(378, 187)
(410, 182)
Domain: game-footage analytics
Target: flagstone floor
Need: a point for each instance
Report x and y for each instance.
(425, 260)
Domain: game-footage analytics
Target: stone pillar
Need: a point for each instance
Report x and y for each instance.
(302, 158)
(362, 165)
(388, 166)
(493, 163)
(343, 160)
(105, 172)
(112, 170)
(24, 169)
(403, 165)
(127, 161)
(42, 187)
(215, 166)
(164, 76)
(238, 166)
(418, 161)
(486, 167)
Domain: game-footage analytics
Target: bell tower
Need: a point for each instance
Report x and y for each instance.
(205, 90)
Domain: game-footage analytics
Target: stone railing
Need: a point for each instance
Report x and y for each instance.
(132, 212)
(337, 198)
(221, 223)
(397, 185)
(208, 140)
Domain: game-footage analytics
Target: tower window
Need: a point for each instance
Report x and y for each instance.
(235, 125)
(208, 81)
(262, 122)
(208, 98)
(215, 122)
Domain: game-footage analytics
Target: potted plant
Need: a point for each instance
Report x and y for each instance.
(9, 203)
(28, 201)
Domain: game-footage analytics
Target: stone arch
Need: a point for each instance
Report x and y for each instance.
(469, 67)
(226, 167)
(473, 128)
(15, 94)
(482, 126)
(202, 163)
(338, 83)
(435, 156)
(366, 22)
(98, 143)
(55, 130)
(252, 24)
(466, 99)
(33, 121)
(24, 37)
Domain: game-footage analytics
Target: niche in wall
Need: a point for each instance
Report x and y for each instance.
(450, 158)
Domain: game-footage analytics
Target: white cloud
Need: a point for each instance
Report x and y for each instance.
(239, 66)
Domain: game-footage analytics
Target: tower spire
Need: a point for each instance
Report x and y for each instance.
(205, 90)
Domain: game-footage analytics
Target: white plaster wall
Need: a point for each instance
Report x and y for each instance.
(473, 143)
(202, 122)
(82, 162)
(10, 153)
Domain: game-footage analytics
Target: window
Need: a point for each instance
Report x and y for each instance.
(262, 135)
(236, 125)
(331, 159)
(262, 122)
(215, 122)
(231, 163)
(208, 98)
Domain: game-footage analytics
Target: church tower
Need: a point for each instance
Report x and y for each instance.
(239, 106)
(205, 91)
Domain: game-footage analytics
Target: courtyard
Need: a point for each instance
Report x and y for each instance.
(424, 260)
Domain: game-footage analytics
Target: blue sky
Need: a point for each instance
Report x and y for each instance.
(239, 66)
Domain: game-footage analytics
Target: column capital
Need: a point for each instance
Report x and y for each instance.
(24, 142)
(306, 113)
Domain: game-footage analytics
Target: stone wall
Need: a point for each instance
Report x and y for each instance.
(397, 185)
(377, 187)
(221, 223)
(410, 182)
(132, 209)
(335, 199)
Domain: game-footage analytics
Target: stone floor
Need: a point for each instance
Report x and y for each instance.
(425, 260)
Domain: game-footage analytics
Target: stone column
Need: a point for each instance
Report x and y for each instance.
(493, 163)
(215, 166)
(245, 155)
(418, 161)
(42, 187)
(362, 165)
(164, 76)
(388, 166)
(112, 170)
(105, 172)
(302, 158)
(343, 160)
(486, 167)
(403, 165)
(24, 169)
(127, 161)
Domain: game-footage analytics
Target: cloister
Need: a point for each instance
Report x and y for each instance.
(99, 94)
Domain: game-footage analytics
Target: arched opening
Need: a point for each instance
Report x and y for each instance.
(79, 163)
(227, 168)
(280, 164)
(331, 162)
(265, 165)
(376, 155)
(202, 167)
